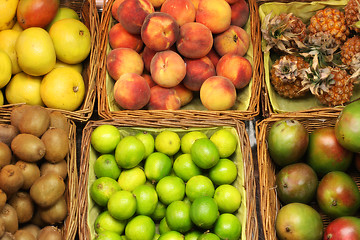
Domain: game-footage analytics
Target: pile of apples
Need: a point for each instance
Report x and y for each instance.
(165, 52)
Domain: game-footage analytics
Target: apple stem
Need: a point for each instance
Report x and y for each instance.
(75, 89)
(81, 32)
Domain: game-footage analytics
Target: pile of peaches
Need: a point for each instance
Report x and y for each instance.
(164, 53)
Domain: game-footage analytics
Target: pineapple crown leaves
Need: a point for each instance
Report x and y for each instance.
(286, 70)
(355, 68)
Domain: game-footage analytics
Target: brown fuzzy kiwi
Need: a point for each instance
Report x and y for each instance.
(3, 199)
(50, 233)
(47, 190)
(56, 213)
(36, 220)
(11, 179)
(58, 120)
(2, 227)
(7, 133)
(35, 122)
(9, 216)
(24, 206)
(59, 168)
(32, 228)
(56, 142)
(5, 155)
(23, 235)
(28, 147)
(30, 171)
(17, 113)
(7, 236)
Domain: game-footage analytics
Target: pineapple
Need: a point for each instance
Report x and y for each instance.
(350, 53)
(285, 76)
(330, 20)
(352, 14)
(283, 32)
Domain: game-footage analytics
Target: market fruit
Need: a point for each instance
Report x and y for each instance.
(239, 13)
(296, 183)
(159, 212)
(228, 226)
(3, 199)
(140, 227)
(7, 44)
(35, 122)
(338, 195)
(32, 228)
(7, 13)
(9, 216)
(208, 236)
(298, 221)
(204, 153)
(102, 189)
(59, 168)
(5, 154)
(28, 147)
(63, 88)
(62, 13)
(199, 186)
(185, 168)
(24, 235)
(325, 154)
(192, 235)
(105, 222)
(287, 141)
(7, 133)
(108, 235)
(157, 165)
(5, 70)
(178, 216)
(162, 98)
(225, 141)
(30, 172)
(122, 205)
(167, 142)
(146, 199)
(56, 143)
(170, 189)
(56, 213)
(106, 166)
(129, 152)
(343, 228)
(148, 140)
(120, 38)
(78, 67)
(183, 11)
(347, 127)
(58, 120)
(72, 40)
(228, 198)
(50, 232)
(131, 178)
(204, 212)
(105, 138)
(163, 226)
(197, 71)
(172, 235)
(11, 179)
(224, 172)
(35, 51)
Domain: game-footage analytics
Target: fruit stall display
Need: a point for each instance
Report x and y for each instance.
(48, 56)
(309, 176)
(174, 179)
(310, 55)
(38, 175)
(167, 55)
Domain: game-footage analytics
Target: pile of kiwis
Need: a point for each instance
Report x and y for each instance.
(33, 168)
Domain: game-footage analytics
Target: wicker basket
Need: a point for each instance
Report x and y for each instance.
(246, 107)
(86, 205)
(89, 16)
(269, 203)
(271, 102)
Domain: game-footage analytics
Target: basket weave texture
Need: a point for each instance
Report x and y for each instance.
(87, 12)
(189, 112)
(269, 203)
(251, 228)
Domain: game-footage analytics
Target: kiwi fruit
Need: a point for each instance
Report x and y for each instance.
(23, 235)
(28, 147)
(59, 168)
(35, 122)
(17, 113)
(24, 206)
(32, 228)
(30, 171)
(56, 213)
(58, 120)
(3, 199)
(47, 190)
(9, 216)
(5, 155)
(11, 179)
(56, 142)
(7, 236)
(2, 227)
(36, 220)
(7, 133)
(50, 233)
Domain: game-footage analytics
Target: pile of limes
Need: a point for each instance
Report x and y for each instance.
(166, 185)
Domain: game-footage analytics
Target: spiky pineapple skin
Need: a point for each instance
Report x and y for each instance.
(352, 14)
(349, 49)
(286, 89)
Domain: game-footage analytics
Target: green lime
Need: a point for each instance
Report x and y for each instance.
(204, 212)
(178, 216)
(228, 198)
(157, 165)
(146, 199)
(199, 186)
(123, 237)
(193, 235)
(106, 166)
(185, 168)
(224, 172)
(204, 153)
(122, 205)
(163, 226)
(105, 222)
(208, 236)
(148, 140)
(189, 138)
(102, 189)
(225, 142)
(105, 138)
(140, 227)
(167, 142)
(228, 226)
(170, 189)
(159, 212)
(129, 179)
(129, 152)
(108, 235)
(156, 236)
(172, 235)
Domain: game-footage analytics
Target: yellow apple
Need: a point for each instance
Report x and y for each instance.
(1, 98)
(62, 13)
(78, 67)
(8, 40)
(5, 68)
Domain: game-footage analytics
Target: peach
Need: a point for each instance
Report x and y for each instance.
(231, 1)
(182, 10)
(157, 3)
(184, 94)
(196, 4)
(234, 40)
(214, 57)
(147, 54)
(163, 99)
(167, 68)
(115, 7)
(123, 60)
(131, 91)
(132, 13)
(239, 13)
(197, 71)
(120, 38)
(218, 93)
(149, 80)
(215, 14)
(195, 40)
(236, 68)
(159, 31)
